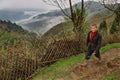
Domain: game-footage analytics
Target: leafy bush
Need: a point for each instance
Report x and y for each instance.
(103, 26)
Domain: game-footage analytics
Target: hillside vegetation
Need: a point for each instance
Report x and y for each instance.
(9, 32)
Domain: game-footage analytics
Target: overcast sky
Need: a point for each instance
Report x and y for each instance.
(39, 4)
(11, 4)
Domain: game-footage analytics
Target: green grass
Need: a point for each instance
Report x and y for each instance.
(113, 76)
(109, 46)
(109, 77)
(63, 66)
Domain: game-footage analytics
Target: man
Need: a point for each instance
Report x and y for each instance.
(94, 39)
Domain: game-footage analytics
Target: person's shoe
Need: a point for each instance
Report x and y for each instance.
(99, 61)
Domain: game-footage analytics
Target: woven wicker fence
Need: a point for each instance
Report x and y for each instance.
(15, 65)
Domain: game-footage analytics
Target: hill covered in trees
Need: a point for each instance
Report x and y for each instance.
(9, 32)
(11, 27)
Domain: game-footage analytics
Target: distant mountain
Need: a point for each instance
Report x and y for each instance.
(43, 22)
(17, 14)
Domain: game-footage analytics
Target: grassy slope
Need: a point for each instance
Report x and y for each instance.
(63, 66)
(8, 39)
(60, 30)
(6, 36)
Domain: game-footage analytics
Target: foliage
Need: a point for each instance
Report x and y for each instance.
(6, 38)
(103, 26)
(116, 25)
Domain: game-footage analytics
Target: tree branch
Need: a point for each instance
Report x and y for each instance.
(67, 15)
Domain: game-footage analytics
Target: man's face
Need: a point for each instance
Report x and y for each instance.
(93, 28)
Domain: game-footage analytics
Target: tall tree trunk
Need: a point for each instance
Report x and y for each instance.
(79, 24)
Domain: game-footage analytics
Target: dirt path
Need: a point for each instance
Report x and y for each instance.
(95, 71)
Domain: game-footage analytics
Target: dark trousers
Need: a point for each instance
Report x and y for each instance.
(90, 52)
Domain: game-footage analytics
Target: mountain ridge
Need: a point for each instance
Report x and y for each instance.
(42, 20)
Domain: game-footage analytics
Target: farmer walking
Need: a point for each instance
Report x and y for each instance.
(93, 41)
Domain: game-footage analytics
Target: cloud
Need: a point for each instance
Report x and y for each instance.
(39, 4)
(11, 4)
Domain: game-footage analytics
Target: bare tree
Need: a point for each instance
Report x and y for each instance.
(75, 14)
(111, 5)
